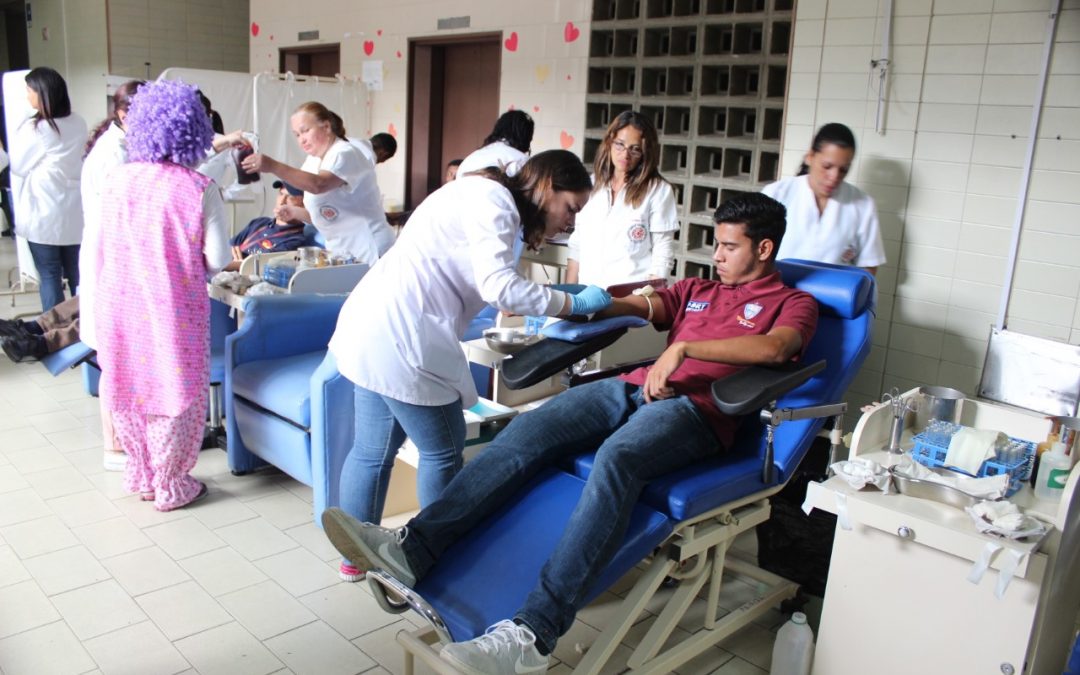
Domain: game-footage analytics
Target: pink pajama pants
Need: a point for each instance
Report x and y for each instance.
(162, 451)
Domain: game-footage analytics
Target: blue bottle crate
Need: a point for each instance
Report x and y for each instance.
(933, 455)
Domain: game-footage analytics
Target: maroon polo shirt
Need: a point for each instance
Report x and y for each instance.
(702, 309)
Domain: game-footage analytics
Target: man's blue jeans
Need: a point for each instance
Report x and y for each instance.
(382, 423)
(54, 264)
(637, 442)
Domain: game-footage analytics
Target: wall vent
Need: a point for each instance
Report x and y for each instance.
(454, 22)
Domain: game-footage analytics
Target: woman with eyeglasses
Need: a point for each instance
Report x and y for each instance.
(626, 232)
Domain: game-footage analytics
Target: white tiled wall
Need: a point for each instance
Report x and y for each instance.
(946, 173)
(545, 75)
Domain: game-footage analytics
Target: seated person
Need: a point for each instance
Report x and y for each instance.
(378, 148)
(50, 332)
(451, 170)
(647, 424)
(283, 232)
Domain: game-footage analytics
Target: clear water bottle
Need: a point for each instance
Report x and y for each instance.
(793, 651)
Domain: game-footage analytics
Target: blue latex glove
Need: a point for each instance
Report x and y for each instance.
(589, 301)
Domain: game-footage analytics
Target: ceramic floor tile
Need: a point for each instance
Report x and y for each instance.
(220, 509)
(83, 508)
(311, 537)
(112, 537)
(348, 609)
(738, 666)
(83, 408)
(298, 571)
(64, 480)
(382, 646)
(155, 654)
(110, 483)
(572, 647)
(37, 459)
(266, 610)
(98, 609)
(49, 650)
(262, 483)
(143, 514)
(69, 391)
(11, 479)
(71, 440)
(184, 538)
(254, 538)
(33, 401)
(282, 510)
(34, 608)
(304, 492)
(88, 461)
(35, 537)
(316, 649)
(65, 570)
(228, 650)
(12, 570)
(222, 571)
(59, 420)
(20, 505)
(753, 643)
(22, 438)
(145, 570)
(182, 610)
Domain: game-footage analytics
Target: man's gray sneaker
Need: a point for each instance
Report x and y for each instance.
(368, 546)
(506, 648)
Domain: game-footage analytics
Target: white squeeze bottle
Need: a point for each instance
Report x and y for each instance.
(1054, 467)
(793, 651)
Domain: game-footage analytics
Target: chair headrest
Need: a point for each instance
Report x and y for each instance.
(842, 291)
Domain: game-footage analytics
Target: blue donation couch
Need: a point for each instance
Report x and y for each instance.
(683, 523)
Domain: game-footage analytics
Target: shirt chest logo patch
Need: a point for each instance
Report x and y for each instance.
(750, 310)
(328, 212)
(636, 233)
(267, 244)
(697, 306)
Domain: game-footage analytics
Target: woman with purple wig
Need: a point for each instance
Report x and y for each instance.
(167, 231)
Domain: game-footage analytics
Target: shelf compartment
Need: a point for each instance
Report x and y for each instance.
(712, 121)
(626, 43)
(727, 194)
(588, 155)
(708, 162)
(657, 9)
(677, 81)
(676, 121)
(673, 159)
(719, 7)
(745, 80)
(780, 38)
(698, 270)
(602, 44)
(748, 38)
(655, 113)
(657, 42)
(597, 116)
(703, 199)
(768, 167)
(623, 81)
(749, 6)
(773, 124)
(700, 239)
(742, 122)
(684, 40)
(680, 192)
(719, 39)
(738, 164)
(599, 81)
(777, 82)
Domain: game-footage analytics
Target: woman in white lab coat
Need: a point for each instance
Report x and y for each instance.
(48, 159)
(506, 147)
(398, 334)
(627, 230)
(341, 194)
(828, 219)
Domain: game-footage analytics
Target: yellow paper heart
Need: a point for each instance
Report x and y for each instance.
(542, 73)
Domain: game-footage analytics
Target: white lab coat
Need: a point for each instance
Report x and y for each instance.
(499, 154)
(365, 148)
(398, 333)
(615, 242)
(108, 152)
(847, 233)
(48, 207)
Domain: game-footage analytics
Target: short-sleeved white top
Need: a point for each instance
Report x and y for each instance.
(499, 154)
(350, 216)
(612, 240)
(847, 233)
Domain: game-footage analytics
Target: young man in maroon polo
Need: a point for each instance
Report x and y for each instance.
(646, 424)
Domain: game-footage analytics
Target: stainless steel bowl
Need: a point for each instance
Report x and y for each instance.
(928, 489)
(508, 340)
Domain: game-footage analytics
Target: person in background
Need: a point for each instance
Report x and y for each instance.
(648, 423)
(153, 313)
(506, 147)
(451, 170)
(283, 232)
(627, 230)
(829, 219)
(218, 161)
(340, 190)
(378, 148)
(49, 208)
(398, 335)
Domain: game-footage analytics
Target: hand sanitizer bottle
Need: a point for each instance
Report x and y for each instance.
(1054, 467)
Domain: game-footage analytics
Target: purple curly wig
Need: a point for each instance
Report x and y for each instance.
(167, 123)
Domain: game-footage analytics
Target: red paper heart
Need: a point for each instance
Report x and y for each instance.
(271, 38)
(571, 32)
(399, 54)
(511, 42)
(392, 130)
(379, 32)
(567, 77)
(254, 29)
(565, 140)
(369, 47)
(536, 108)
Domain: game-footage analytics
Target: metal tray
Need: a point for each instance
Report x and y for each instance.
(925, 489)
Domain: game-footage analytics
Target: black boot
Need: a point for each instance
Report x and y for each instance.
(21, 348)
(16, 327)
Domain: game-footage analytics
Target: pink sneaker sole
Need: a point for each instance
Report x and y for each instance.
(350, 573)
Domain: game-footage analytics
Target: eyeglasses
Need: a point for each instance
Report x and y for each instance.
(634, 150)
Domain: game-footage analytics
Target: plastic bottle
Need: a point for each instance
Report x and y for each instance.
(1054, 470)
(793, 651)
(1041, 448)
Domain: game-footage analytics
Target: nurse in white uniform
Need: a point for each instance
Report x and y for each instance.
(829, 220)
(506, 147)
(627, 230)
(398, 334)
(340, 191)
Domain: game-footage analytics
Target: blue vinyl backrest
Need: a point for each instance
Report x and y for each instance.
(842, 291)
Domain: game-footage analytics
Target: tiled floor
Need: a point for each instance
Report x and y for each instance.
(95, 581)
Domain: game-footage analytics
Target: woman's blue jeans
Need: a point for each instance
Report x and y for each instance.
(54, 264)
(382, 423)
(636, 443)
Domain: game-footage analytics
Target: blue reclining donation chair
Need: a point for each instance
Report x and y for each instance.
(686, 521)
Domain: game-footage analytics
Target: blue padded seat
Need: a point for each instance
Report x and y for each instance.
(68, 357)
(551, 499)
(280, 385)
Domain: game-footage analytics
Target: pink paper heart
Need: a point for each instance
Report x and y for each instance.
(392, 130)
(254, 29)
(565, 140)
(399, 54)
(379, 32)
(369, 47)
(536, 108)
(571, 32)
(511, 42)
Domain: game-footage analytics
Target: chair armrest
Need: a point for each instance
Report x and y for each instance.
(753, 388)
(541, 360)
(276, 326)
